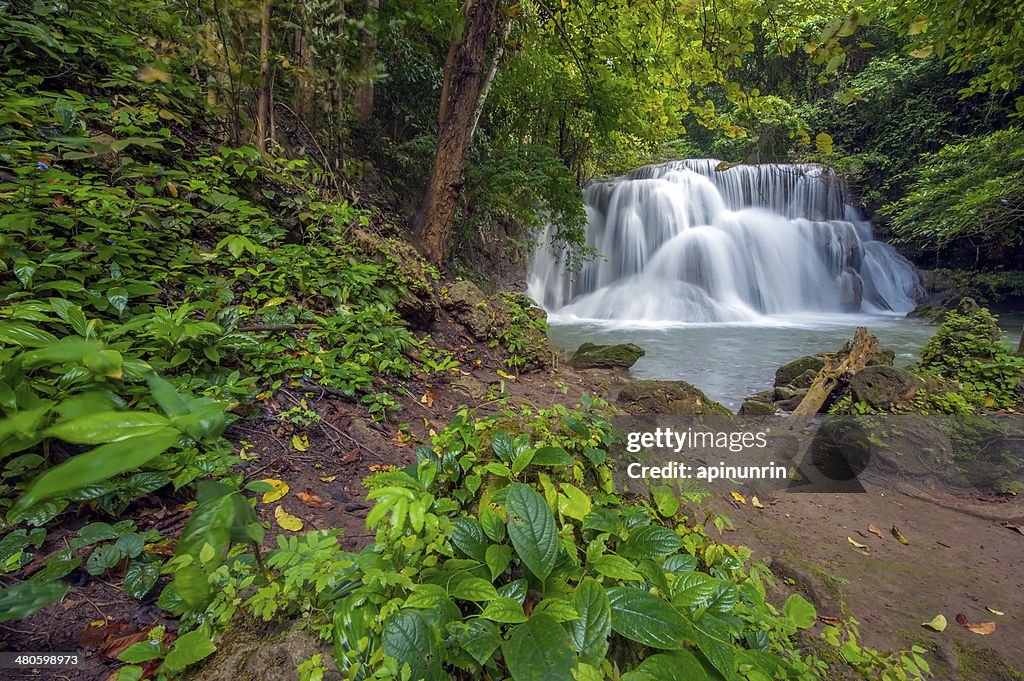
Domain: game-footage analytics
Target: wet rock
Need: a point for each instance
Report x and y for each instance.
(884, 387)
(786, 373)
(882, 357)
(756, 408)
(789, 404)
(677, 398)
(804, 380)
(591, 356)
(851, 290)
(933, 314)
(788, 392)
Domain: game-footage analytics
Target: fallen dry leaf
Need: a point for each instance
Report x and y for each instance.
(738, 497)
(756, 503)
(286, 520)
(875, 531)
(831, 621)
(994, 611)
(113, 647)
(856, 544)
(427, 399)
(1017, 528)
(379, 468)
(313, 501)
(899, 535)
(982, 628)
(280, 489)
(329, 478)
(351, 457)
(938, 623)
(961, 619)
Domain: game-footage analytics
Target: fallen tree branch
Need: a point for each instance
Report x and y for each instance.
(854, 356)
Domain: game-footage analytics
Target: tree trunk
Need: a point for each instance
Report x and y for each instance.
(303, 94)
(854, 357)
(463, 81)
(1020, 343)
(263, 97)
(364, 94)
(499, 51)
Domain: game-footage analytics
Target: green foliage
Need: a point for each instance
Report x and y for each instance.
(968, 349)
(970, 191)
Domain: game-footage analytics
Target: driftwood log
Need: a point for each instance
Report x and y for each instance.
(852, 358)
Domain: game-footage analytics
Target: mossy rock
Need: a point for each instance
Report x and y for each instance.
(787, 373)
(470, 307)
(756, 408)
(884, 387)
(253, 653)
(677, 398)
(591, 356)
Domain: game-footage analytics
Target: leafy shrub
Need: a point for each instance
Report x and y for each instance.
(968, 349)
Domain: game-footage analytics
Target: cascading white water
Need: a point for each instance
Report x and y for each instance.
(683, 242)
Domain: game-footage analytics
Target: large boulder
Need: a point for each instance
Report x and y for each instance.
(471, 308)
(787, 373)
(676, 398)
(884, 387)
(252, 653)
(756, 408)
(591, 356)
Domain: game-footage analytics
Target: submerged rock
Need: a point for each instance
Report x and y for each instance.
(591, 356)
(884, 387)
(677, 398)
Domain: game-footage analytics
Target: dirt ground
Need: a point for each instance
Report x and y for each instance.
(962, 558)
(958, 561)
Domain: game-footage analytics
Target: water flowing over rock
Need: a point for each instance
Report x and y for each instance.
(681, 241)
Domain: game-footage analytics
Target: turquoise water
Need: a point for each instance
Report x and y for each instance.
(732, 360)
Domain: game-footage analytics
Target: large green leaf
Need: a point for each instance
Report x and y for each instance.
(798, 609)
(189, 649)
(539, 650)
(531, 527)
(693, 589)
(478, 637)
(643, 617)
(99, 464)
(650, 541)
(468, 537)
(679, 665)
(589, 633)
(21, 600)
(409, 639)
(108, 426)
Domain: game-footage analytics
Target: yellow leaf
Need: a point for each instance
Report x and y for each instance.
(171, 189)
(98, 623)
(509, 377)
(244, 456)
(899, 535)
(856, 544)
(756, 503)
(981, 628)
(917, 27)
(738, 497)
(151, 74)
(280, 489)
(823, 141)
(300, 442)
(875, 531)
(994, 611)
(990, 402)
(923, 52)
(286, 520)
(938, 623)
(329, 478)
(166, 115)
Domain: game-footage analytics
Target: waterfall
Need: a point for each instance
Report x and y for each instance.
(682, 241)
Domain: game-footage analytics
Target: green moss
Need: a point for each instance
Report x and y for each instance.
(982, 664)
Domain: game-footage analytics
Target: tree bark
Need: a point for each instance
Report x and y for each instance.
(263, 97)
(463, 81)
(364, 94)
(499, 51)
(1020, 343)
(855, 357)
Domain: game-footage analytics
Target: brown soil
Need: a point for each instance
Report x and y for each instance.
(960, 559)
